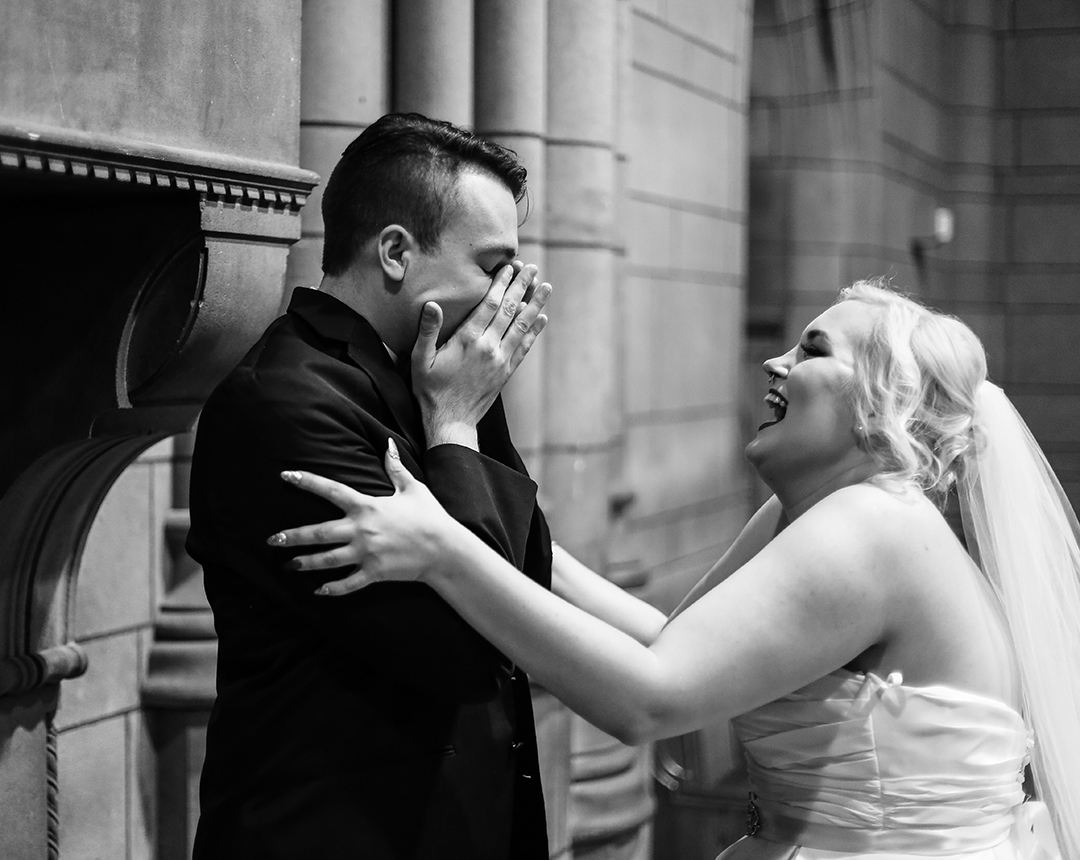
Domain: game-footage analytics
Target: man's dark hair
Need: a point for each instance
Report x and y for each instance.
(403, 169)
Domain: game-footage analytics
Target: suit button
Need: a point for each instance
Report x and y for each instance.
(516, 745)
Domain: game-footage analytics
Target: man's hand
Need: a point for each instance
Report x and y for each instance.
(457, 382)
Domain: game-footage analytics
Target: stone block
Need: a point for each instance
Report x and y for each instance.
(1040, 71)
(972, 139)
(579, 202)
(575, 486)
(159, 452)
(93, 786)
(913, 46)
(712, 23)
(834, 205)
(1045, 232)
(1046, 14)
(681, 143)
(910, 116)
(142, 789)
(580, 373)
(111, 683)
(304, 267)
(683, 340)
(649, 233)
(581, 70)
(707, 243)
(974, 13)
(978, 231)
(1051, 417)
(115, 572)
(683, 460)
(346, 56)
(553, 743)
(1037, 347)
(971, 58)
(679, 548)
(23, 788)
(320, 148)
(1049, 141)
(1034, 287)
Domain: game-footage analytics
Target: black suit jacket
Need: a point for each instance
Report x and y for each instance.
(378, 725)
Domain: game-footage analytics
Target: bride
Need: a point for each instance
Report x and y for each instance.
(886, 684)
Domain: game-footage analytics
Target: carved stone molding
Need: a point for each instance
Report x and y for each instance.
(143, 272)
(226, 180)
(24, 672)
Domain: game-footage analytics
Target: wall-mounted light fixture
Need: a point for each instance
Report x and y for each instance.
(944, 230)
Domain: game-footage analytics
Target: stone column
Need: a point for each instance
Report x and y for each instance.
(610, 804)
(344, 87)
(433, 54)
(511, 109)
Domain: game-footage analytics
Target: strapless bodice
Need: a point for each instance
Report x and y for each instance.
(858, 765)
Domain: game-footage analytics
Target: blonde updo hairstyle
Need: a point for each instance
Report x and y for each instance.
(914, 387)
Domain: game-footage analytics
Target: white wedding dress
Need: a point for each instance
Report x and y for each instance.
(852, 766)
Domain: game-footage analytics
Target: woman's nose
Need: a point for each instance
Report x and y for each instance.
(776, 368)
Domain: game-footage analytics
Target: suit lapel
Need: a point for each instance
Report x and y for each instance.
(336, 321)
(368, 353)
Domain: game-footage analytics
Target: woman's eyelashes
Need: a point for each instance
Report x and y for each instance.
(810, 351)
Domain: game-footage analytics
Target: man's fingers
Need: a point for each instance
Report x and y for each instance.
(336, 531)
(527, 341)
(427, 337)
(478, 321)
(526, 319)
(343, 496)
(512, 299)
(345, 586)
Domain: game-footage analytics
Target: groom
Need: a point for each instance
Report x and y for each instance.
(378, 725)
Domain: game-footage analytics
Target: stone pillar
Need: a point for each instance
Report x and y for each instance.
(344, 87)
(180, 685)
(511, 109)
(610, 803)
(433, 58)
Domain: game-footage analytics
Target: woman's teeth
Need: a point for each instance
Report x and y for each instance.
(778, 403)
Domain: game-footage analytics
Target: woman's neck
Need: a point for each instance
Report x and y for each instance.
(797, 496)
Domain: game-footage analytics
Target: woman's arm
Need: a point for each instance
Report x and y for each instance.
(808, 603)
(587, 590)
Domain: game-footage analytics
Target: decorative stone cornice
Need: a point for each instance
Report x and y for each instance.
(43, 150)
(24, 672)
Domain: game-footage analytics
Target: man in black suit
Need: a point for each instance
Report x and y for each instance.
(378, 725)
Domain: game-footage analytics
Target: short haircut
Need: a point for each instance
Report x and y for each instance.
(403, 169)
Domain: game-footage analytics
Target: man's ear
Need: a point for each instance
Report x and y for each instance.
(396, 248)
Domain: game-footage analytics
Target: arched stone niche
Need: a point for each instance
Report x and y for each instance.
(138, 274)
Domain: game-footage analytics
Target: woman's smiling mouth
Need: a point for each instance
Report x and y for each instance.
(778, 403)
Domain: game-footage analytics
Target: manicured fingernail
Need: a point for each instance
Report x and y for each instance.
(322, 591)
(276, 540)
(291, 477)
(391, 446)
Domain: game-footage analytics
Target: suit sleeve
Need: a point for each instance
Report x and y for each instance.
(403, 629)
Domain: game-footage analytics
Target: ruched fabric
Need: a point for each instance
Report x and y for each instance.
(853, 765)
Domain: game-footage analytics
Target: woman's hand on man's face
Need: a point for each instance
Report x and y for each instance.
(456, 383)
(394, 538)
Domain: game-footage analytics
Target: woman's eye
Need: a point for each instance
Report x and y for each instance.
(810, 351)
